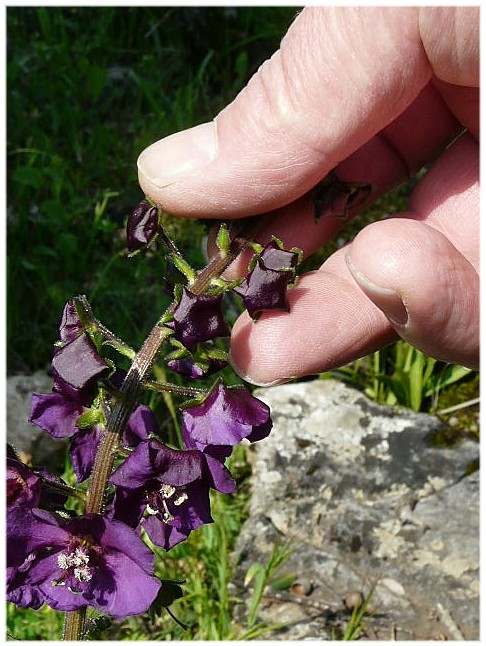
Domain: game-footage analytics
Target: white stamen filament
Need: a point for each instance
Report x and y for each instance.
(79, 561)
(167, 490)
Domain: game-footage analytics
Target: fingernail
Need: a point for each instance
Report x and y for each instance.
(177, 156)
(388, 300)
(255, 382)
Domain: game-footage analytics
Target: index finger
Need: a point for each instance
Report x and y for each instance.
(340, 76)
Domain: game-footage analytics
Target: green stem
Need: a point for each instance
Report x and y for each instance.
(74, 625)
(129, 396)
(165, 387)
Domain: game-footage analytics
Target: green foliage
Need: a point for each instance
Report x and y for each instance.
(263, 575)
(357, 621)
(406, 376)
(87, 89)
(33, 625)
(402, 375)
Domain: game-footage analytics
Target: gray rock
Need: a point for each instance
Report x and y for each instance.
(368, 504)
(33, 445)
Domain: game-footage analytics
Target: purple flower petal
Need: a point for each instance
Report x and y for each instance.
(265, 288)
(191, 514)
(55, 414)
(89, 561)
(218, 475)
(278, 259)
(167, 491)
(225, 417)
(84, 445)
(152, 459)
(128, 505)
(70, 326)
(77, 366)
(142, 225)
(198, 318)
(23, 486)
(187, 367)
(141, 424)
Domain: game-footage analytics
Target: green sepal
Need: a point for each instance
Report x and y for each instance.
(90, 418)
(223, 240)
(216, 353)
(179, 353)
(279, 243)
(222, 285)
(257, 247)
(199, 400)
(299, 252)
(177, 294)
(183, 267)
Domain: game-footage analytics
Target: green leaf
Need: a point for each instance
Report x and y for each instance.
(28, 176)
(283, 582)
(252, 572)
(258, 586)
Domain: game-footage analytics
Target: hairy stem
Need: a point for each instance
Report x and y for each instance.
(129, 396)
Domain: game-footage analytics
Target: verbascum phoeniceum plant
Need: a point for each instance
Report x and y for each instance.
(133, 490)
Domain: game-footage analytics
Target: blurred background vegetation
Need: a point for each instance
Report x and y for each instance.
(87, 90)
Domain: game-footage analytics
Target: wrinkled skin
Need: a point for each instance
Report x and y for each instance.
(373, 94)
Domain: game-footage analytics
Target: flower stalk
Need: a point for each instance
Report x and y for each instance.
(71, 562)
(129, 395)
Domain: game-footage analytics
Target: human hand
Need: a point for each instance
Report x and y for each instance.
(373, 94)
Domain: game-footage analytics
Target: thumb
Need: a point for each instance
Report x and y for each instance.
(341, 75)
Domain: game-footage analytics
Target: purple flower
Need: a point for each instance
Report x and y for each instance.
(265, 288)
(70, 325)
(84, 561)
(57, 415)
(223, 419)
(166, 491)
(198, 318)
(23, 486)
(192, 368)
(337, 198)
(142, 226)
(76, 367)
(30, 488)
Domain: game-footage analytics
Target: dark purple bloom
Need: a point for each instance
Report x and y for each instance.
(76, 367)
(198, 318)
(189, 367)
(23, 486)
(141, 424)
(265, 288)
(29, 488)
(85, 561)
(19, 590)
(57, 415)
(166, 491)
(223, 419)
(337, 198)
(142, 225)
(70, 326)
